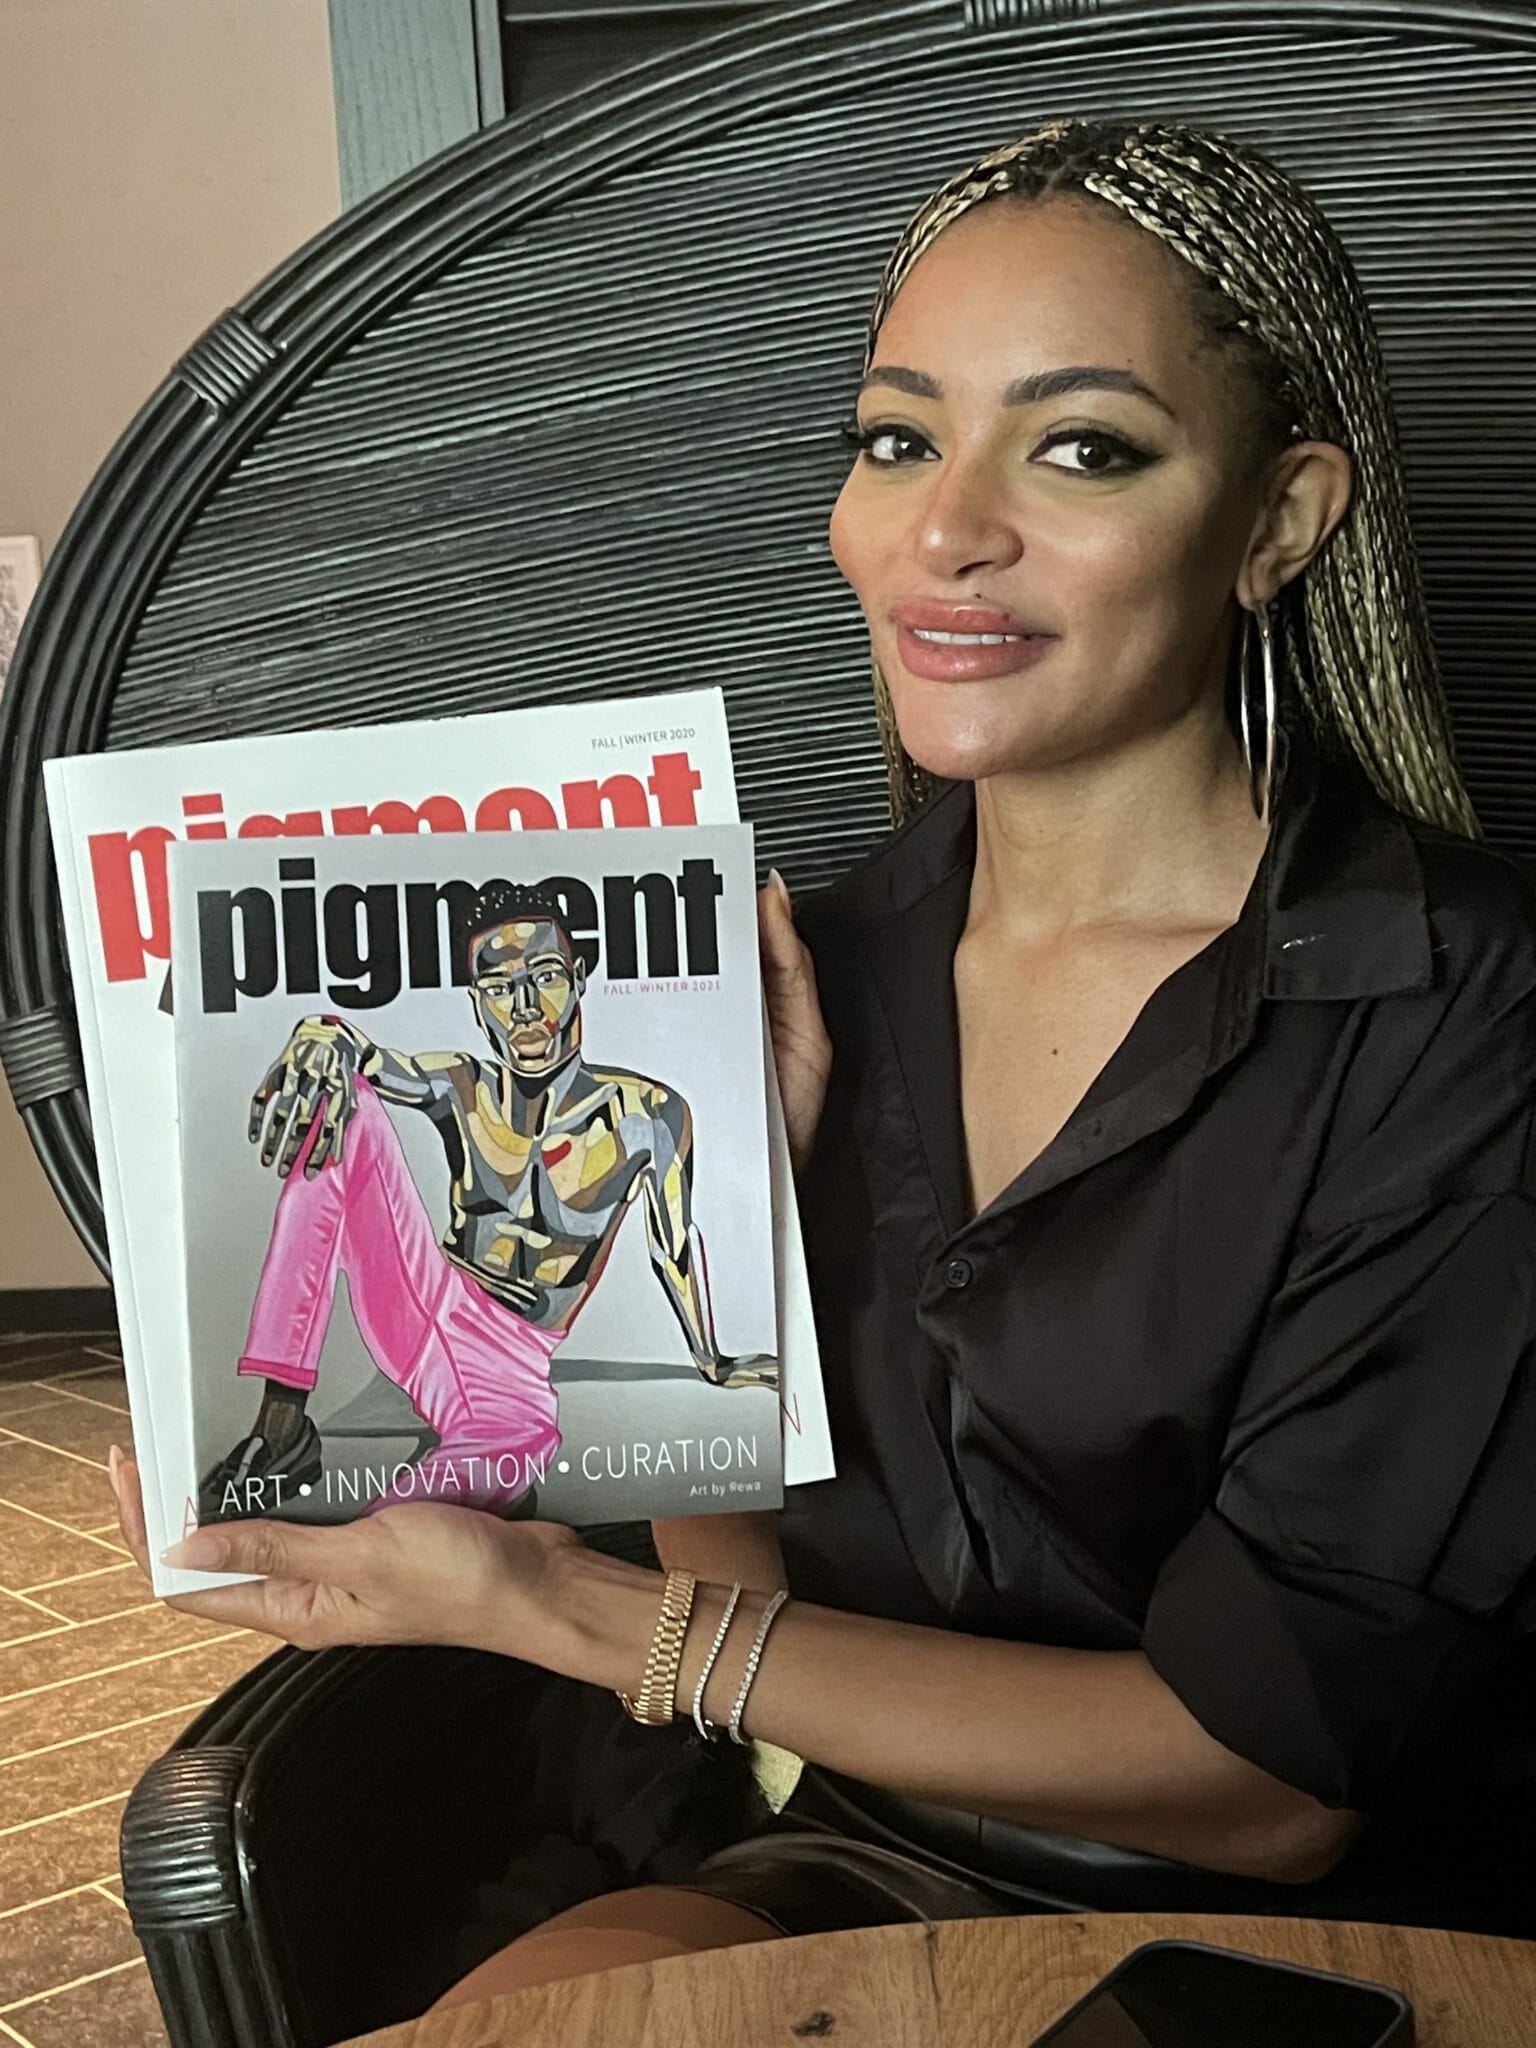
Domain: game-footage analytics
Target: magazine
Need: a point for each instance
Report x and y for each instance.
(506, 1090)
(648, 760)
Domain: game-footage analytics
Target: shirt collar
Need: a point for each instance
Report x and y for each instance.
(1346, 916)
(1336, 911)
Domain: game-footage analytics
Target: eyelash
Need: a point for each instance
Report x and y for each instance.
(861, 441)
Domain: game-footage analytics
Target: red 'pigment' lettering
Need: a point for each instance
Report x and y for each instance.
(623, 794)
(126, 945)
(674, 781)
(433, 814)
(297, 825)
(516, 810)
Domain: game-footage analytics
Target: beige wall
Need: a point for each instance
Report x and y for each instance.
(157, 157)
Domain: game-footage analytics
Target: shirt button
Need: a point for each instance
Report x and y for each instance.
(958, 1273)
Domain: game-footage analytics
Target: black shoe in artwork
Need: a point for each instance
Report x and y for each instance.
(264, 1481)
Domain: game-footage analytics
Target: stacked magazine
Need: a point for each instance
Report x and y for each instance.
(439, 1141)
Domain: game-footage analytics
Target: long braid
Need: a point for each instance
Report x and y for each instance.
(1280, 290)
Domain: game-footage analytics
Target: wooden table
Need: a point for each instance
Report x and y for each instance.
(971, 1984)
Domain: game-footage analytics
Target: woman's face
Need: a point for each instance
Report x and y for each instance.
(1054, 455)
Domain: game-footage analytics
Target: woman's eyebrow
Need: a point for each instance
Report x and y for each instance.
(1081, 377)
(1023, 390)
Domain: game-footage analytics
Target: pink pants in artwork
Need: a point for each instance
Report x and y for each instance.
(474, 1369)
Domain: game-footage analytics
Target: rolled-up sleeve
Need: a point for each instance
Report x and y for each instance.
(1368, 1558)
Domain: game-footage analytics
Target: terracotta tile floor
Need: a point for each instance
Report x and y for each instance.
(96, 1679)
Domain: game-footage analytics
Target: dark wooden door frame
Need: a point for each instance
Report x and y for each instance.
(411, 77)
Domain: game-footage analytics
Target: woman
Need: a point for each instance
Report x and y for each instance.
(1162, 1105)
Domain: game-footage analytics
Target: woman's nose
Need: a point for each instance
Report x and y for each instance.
(965, 523)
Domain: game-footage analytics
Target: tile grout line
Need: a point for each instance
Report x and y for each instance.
(95, 1977)
(64, 1528)
(57, 1342)
(46, 1397)
(26, 1756)
(74, 1579)
(20, 1436)
(52, 1898)
(90, 1400)
(118, 1560)
(92, 1621)
(58, 1359)
(42, 1820)
(129, 1664)
(27, 1601)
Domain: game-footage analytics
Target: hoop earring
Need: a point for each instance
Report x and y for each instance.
(1259, 781)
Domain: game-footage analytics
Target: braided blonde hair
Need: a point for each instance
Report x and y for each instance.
(1281, 294)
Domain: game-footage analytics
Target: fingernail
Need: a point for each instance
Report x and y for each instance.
(779, 883)
(114, 1459)
(203, 1551)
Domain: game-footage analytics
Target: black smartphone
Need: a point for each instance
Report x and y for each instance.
(1186, 1994)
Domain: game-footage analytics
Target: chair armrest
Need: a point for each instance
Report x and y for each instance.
(299, 1865)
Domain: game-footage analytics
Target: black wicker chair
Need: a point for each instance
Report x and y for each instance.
(601, 352)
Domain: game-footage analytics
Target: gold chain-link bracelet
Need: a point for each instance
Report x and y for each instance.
(656, 1705)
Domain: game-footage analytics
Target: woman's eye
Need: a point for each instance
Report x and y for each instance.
(1098, 453)
(887, 447)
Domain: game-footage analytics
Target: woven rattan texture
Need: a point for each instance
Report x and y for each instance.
(599, 453)
(583, 436)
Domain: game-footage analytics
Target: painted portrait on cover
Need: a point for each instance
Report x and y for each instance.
(546, 1156)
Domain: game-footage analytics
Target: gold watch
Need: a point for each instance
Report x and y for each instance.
(656, 1705)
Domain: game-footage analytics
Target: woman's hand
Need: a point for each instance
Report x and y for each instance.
(417, 1573)
(802, 1051)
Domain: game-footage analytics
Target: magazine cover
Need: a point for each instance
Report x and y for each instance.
(475, 1171)
(659, 760)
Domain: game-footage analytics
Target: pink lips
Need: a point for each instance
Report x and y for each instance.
(975, 642)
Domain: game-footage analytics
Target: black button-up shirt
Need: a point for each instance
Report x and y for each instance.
(1239, 1370)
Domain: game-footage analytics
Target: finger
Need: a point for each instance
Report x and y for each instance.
(130, 1512)
(788, 978)
(234, 1606)
(282, 1109)
(260, 1100)
(277, 1550)
(300, 1118)
(774, 909)
(327, 1143)
(782, 948)
(260, 1606)
(347, 1104)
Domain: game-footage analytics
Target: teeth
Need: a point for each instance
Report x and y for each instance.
(967, 639)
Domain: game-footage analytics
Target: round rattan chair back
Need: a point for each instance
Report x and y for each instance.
(557, 415)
